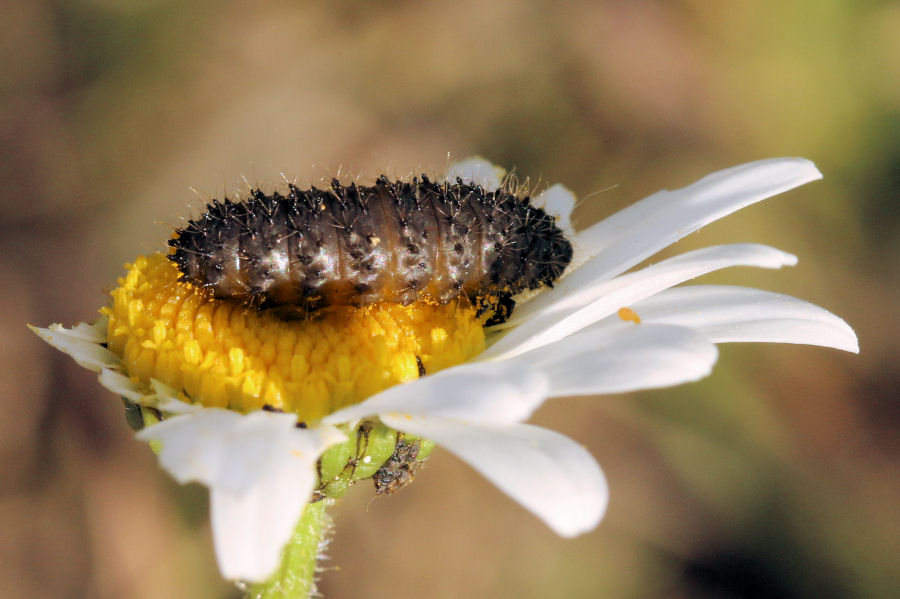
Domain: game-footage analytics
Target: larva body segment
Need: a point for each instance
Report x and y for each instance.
(357, 245)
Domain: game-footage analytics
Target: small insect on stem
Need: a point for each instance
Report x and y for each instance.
(399, 470)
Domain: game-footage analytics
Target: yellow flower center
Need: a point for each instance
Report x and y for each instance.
(225, 354)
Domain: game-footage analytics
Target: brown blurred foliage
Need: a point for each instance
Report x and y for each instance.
(776, 477)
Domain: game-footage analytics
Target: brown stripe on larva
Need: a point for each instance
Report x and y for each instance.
(394, 241)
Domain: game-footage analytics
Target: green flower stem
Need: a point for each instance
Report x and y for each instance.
(295, 578)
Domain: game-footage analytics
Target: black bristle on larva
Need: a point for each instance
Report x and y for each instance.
(356, 245)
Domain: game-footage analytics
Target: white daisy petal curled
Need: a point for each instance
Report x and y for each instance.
(165, 399)
(479, 393)
(477, 170)
(629, 358)
(82, 343)
(547, 473)
(558, 201)
(261, 470)
(121, 385)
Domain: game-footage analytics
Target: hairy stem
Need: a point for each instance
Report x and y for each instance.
(295, 578)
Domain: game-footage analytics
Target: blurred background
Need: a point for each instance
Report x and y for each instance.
(775, 477)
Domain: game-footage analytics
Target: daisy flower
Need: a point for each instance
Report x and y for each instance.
(269, 412)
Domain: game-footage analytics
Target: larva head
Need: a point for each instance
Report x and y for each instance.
(542, 249)
(550, 252)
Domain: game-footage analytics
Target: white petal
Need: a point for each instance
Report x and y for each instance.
(639, 231)
(666, 216)
(477, 170)
(251, 528)
(82, 343)
(260, 469)
(476, 392)
(557, 201)
(729, 314)
(573, 312)
(629, 358)
(94, 332)
(231, 450)
(547, 473)
(120, 384)
(168, 401)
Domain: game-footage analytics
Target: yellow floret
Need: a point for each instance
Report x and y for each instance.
(224, 354)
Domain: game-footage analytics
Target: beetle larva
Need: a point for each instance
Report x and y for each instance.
(356, 245)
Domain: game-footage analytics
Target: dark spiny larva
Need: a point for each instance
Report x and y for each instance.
(357, 245)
